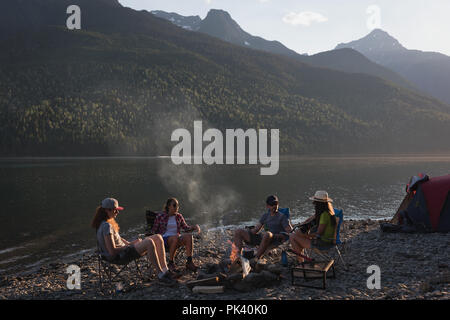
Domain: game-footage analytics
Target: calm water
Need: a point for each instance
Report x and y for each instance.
(47, 204)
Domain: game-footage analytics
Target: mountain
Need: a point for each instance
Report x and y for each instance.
(349, 60)
(189, 23)
(428, 71)
(220, 24)
(127, 79)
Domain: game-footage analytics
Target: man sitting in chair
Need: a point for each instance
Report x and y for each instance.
(278, 226)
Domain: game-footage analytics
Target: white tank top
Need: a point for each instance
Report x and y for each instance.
(171, 227)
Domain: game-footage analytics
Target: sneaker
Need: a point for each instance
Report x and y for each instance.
(167, 279)
(191, 266)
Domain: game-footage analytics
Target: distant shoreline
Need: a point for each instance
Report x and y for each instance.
(419, 156)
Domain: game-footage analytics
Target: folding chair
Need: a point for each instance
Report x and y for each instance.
(319, 269)
(324, 253)
(113, 272)
(150, 217)
(286, 212)
(339, 214)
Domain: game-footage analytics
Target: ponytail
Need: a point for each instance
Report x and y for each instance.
(100, 216)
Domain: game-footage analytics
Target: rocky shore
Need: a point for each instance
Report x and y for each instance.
(413, 266)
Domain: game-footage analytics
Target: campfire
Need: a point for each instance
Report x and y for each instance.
(234, 272)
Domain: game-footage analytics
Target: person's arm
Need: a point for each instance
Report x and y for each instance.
(288, 228)
(111, 246)
(132, 242)
(184, 225)
(256, 229)
(320, 231)
(308, 220)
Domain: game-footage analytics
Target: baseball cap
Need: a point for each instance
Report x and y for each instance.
(111, 203)
(271, 200)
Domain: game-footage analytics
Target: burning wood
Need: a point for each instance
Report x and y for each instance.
(235, 254)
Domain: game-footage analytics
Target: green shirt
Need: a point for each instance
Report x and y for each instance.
(328, 233)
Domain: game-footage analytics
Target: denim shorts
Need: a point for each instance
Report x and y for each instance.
(166, 242)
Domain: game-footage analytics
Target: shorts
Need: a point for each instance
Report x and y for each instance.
(166, 243)
(126, 255)
(279, 239)
(255, 239)
(321, 245)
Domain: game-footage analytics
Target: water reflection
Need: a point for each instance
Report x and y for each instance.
(47, 204)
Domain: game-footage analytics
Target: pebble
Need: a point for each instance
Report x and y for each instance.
(413, 266)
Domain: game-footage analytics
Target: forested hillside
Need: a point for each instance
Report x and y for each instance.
(127, 79)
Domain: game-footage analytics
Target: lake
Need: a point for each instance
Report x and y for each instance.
(48, 203)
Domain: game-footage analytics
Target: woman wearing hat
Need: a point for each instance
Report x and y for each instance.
(118, 250)
(324, 219)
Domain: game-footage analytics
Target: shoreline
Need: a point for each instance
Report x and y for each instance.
(413, 266)
(338, 156)
(138, 231)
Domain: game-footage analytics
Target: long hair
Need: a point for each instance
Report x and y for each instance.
(100, 216)
(321, 207)
(169, 203)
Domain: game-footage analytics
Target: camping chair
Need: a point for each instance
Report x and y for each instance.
(114, 272)
(286, 212)
(319, 269)
(150, 217)
(324, 253)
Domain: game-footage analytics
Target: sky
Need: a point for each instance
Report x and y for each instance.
(319, 25)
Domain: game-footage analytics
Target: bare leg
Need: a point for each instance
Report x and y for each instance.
(240, 235)
(147, 246)
(265, 242)
(299, 242)
(160, 250)
(173, 246)
(187, 240)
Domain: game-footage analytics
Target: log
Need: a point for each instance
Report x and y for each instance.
(204, 289)
(203, 282)
(234, 277)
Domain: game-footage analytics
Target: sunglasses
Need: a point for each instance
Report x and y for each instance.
(273, 204)
(175, 205)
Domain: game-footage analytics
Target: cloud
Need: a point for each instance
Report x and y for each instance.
(304, 18)
(208, 1)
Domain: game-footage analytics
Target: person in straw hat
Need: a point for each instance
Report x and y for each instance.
(323, 230)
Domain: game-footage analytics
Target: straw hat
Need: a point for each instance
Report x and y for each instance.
(321, 196)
